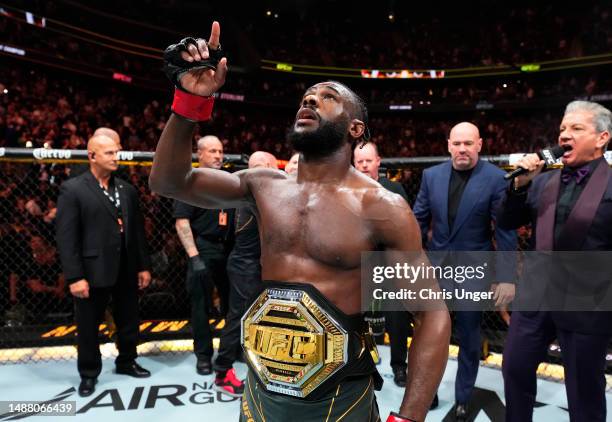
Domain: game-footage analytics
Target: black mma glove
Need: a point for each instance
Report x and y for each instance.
(175, 66)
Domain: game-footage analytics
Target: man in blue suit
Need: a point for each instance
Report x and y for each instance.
(570, 210)
(457, 201)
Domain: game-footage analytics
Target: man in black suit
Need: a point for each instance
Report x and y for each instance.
(101, 240)
(570, 210)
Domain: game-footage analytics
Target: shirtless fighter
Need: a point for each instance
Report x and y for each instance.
(304, 339)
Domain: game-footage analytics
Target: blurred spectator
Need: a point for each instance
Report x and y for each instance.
(43, 281)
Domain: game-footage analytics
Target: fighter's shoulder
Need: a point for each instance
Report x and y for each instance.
(380, 202)
(262, 175)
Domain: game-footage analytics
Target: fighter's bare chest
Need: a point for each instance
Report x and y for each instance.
(327, 224)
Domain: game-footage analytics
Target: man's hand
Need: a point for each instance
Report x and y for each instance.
(36, 285)
(80, 289)
(533, 164)
(196, 271)
(185, 70)
(144, 278)
(503, 293)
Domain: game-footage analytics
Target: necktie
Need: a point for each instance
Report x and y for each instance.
(579, 175)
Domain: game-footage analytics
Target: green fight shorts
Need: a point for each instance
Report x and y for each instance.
(352, 400)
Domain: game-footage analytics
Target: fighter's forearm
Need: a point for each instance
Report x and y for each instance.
(183, 229)
(172, 161)
(426, 363)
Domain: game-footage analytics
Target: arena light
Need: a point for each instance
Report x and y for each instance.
(395, 107)
(122, 77)
(35, 20)
(530, 68)
(484, 105)
(601, 97)
(231, 97)
(284, 66)
(12, 50)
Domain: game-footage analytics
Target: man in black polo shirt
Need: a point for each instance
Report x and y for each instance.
(205, 234)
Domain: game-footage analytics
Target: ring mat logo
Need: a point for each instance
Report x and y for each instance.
(175, 394)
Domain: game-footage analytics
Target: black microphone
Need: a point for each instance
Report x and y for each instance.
(549, 155)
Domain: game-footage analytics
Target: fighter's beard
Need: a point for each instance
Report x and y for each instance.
(319, 143)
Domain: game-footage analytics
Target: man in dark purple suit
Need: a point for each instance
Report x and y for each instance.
(570, 211)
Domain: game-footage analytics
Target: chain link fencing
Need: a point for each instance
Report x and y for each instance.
(36, 308)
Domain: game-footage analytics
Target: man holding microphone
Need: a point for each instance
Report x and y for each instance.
(570, 210)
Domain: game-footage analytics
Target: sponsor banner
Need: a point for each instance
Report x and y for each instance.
(73, 155)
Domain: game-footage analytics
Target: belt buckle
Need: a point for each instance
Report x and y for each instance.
(292, 344)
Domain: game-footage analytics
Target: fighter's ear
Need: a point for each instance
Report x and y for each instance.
(357, 129)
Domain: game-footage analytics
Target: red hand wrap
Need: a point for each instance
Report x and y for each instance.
(192, 107)
(396, 417)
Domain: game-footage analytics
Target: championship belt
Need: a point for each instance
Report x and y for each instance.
(295, 339)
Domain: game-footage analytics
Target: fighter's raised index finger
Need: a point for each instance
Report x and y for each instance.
(215, 34)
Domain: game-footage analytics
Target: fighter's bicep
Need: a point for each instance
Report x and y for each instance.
(210, 188)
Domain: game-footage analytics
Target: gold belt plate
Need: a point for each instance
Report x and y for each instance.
(291, 343)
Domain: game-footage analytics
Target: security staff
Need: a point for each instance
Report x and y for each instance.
(103, 250)
(205, 235)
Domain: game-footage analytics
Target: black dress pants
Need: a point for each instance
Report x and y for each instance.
(89, 313)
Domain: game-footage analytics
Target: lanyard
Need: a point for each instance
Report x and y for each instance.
(115, 201)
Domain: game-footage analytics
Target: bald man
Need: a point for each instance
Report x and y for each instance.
(262, 159)
(292, 165)
(457, 201)
(106, 131)
(206, 236)
(103, 250)
(78, 169)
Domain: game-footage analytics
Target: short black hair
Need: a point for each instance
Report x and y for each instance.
(360, 110)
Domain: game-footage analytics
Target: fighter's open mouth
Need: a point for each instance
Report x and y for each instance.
(307, 114)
